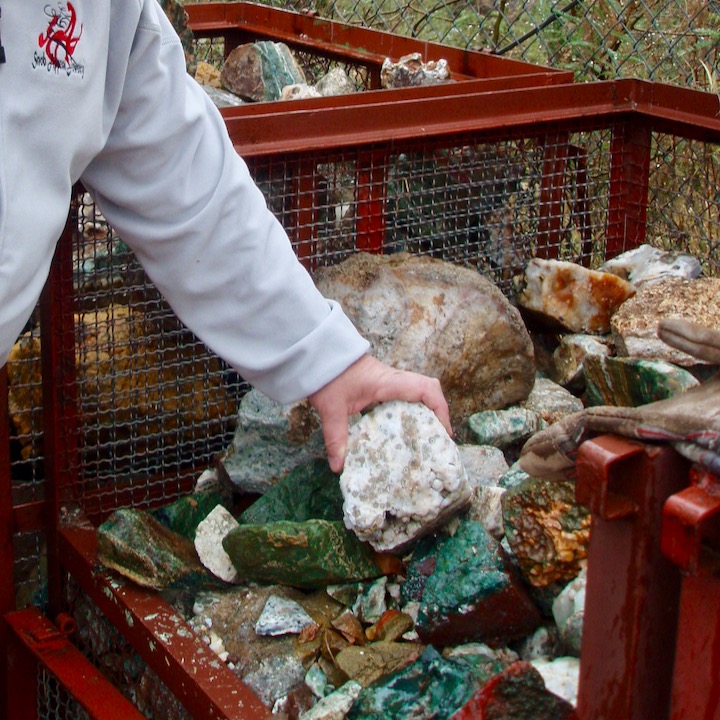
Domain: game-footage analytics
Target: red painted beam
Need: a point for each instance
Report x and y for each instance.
(332, 124)
(205, 686)
(632, 595)
(691, 539)
(36, 641)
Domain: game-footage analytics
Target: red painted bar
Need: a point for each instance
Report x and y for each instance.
(691, 539)
(370, 201)
(36, 641)
(629, 174)
(632, 591)
(60, 414)
(530, 110)
(7, 587)
(205, 686)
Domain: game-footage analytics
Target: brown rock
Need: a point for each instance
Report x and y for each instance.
(439, 319)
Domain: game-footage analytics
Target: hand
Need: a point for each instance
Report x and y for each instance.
(365, 382)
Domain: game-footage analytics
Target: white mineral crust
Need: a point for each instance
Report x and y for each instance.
(208, 543)
(403, 476)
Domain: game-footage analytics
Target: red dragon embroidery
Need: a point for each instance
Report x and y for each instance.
(60, 40)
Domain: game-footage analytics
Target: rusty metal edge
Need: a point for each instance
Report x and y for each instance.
(54, 651)
(205, 686)
(299, 128)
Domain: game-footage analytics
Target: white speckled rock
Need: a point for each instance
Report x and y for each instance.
(648, 264)
(403, 476)
(282, 616)
(208, 543)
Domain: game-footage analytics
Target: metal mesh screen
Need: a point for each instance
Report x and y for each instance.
(54, 702)
(152, 400)
(101, 642)
(684, 199)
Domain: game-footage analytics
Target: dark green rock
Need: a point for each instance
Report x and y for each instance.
(630, 382)
(185, 514)
(430, 688)
(138, 547)
(473, 594)
(309, 492)
(308, 554)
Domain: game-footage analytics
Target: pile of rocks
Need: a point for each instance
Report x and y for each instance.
(267, 71)
(434, 578)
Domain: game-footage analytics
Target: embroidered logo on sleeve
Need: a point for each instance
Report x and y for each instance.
(58, 42)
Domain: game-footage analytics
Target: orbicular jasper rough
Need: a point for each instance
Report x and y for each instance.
(403, 476)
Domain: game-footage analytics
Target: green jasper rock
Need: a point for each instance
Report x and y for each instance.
(138, 547)
(630, 382)
(308, 554)
(309, 492)
(185, 514)
(431, 687)
(502, 428)
(279, 68)
(473, 593)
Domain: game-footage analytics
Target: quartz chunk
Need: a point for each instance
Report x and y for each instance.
(403, 476)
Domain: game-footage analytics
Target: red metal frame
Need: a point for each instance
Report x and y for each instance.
(632, 594)
(243, 22)
(205, 686)
(691, 540)
(624, 483)
(34, 641)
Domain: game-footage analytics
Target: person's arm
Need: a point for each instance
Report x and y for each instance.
(172, 185)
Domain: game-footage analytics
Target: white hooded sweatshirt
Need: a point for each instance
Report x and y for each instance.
(96, 90)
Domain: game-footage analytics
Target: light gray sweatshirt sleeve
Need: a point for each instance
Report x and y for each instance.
(169, 181)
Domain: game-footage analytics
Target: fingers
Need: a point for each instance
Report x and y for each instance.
(365, 382)
(335, 433)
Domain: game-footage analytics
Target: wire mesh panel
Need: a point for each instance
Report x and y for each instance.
(484, 202)
(152, 400)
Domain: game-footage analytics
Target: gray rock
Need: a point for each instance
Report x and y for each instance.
(299, 91)
(335, 82)
(403, 476)
(411, 71)
(647, 264)
(484, 464)
(569, 357)
(282, 616)
(270, 440)
(336, 705)
(208, 543)
(561, 676)
(439, 319)
(551, 401)
(486, 508)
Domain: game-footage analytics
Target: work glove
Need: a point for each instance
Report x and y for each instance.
(690, 421)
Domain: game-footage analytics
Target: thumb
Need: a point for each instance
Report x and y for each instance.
(335, 433)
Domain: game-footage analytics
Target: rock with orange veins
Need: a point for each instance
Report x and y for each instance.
(571, 296)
